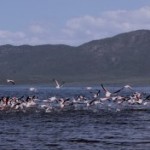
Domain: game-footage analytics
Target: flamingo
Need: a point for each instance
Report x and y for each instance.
(10, 81)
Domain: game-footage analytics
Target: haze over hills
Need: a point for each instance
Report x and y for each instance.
(124, 58)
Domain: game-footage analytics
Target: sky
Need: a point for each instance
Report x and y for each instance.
(71, 22)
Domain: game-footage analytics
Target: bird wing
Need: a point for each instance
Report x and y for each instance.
(56, 82)
(104, 88)
(11, 81)
(118, 90)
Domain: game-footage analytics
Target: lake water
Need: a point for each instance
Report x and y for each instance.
(104, 129)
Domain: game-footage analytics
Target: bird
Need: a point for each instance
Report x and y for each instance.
(88, 88)
(32, 89)
(95, 95)
(10, 81)
(107, 93)
(124, 87)
(58, 85)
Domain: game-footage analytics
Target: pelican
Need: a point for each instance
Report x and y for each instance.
(10, 81)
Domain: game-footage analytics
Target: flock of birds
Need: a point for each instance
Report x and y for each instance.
(99, 99)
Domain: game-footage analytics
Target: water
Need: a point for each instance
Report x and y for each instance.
(73, 129)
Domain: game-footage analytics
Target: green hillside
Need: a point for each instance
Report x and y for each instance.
(120, 59)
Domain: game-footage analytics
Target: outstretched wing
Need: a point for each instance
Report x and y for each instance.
(56, 82)
(104, 88)
(10, 81)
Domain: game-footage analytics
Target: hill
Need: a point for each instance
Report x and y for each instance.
(122, 58)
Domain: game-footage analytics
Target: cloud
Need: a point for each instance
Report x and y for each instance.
(80, 29)
(109, 23)
(7, 34)
(37, 29)
(8, 37)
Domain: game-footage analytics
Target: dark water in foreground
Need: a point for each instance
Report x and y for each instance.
(73, 129)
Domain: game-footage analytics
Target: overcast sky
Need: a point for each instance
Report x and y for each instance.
(71, 22)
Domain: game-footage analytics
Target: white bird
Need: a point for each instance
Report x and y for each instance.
(10, 81)
(32, 89)
(88, 88)
(128, 87)
(58, 85)
(107, 93)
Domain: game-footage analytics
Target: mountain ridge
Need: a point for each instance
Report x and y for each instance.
(121, 58)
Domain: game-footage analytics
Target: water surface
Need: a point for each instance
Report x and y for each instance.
(73, 129)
